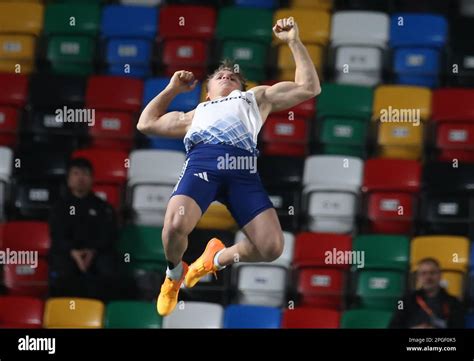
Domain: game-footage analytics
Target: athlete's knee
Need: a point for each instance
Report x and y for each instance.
(273, 247)
(175, 227)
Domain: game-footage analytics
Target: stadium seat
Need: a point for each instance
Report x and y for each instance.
(21, 312)
(110, 194)
(285, 137)
(470, 320)
(453, 116)
(6, 162)
(359, 319)
(313, 25)
(264, 284)
(438, 6)
(183, 102)
(316, 4)
(373, 5)
(380, 289)
(73, 313)
(438, 175)
(29, 276)
(195, 315)
(417, 40)
(71, 45)
(344, 127)
(247, 316)
(400, 112)
(217, 216)
(13, 97)
(265, 4)
(20, 24)
(142, 2)
(186, 43)
(306, 317)
(452, 252)
(460, 71)
(305, 109)
(128, 32)
(151, 178)
(321, 280)
(390, 187)
(286, 64)
(359, 51)
(282, 177)
(131, 314)
(330, 198)
(389, 252)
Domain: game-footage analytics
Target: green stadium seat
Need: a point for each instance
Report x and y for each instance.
(366, 319)
(71, 30)
(344, 136)
(351, 101)
(257, 23)
(144, 245)
(132, 314)
(389, 252)
(380, 289)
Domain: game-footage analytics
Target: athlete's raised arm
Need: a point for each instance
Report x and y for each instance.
(286, 94)
(155, 121)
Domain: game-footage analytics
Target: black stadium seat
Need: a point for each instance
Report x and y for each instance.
(375, 5)
(282, 177)
(460, 67)
(432, 6)
(443, 177)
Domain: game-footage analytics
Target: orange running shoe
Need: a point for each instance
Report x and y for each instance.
(168, 297)
(204, 264)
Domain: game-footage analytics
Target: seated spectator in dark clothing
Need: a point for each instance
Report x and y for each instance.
(430, 306)
(83, 261)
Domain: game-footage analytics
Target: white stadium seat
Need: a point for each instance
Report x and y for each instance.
(195, 315)
(331, 187)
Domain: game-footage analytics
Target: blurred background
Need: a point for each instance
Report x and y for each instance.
(406, 195)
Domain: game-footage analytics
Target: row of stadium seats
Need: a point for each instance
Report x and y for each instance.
(396, 121)
(391, 196)
(315, 265)
(25, 312)
(357, 55)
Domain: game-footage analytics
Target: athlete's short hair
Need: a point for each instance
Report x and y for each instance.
(233, 67)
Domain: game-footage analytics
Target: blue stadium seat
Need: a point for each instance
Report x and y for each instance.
(417, 66)
(417, 40)
(246, 316)
(129, 32)
(469, 320)
(183, 102)
(265, 4)
(418, 30)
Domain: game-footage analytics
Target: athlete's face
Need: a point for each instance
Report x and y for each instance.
(222, 84)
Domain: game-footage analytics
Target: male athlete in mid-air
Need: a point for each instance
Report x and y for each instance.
(226, 125)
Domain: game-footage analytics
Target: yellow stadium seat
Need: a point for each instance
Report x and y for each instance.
(314, 4)
(286, 64)
(18, 67)
(452, 252)
(453, 283)
(217, 216)
(313, 25)
(17, 47)
(21, 18)
(68, 312)
(400, 140)
(401, 101)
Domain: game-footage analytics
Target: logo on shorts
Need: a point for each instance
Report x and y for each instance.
(202, 175)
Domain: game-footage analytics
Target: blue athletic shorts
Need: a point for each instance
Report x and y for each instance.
(227, 174)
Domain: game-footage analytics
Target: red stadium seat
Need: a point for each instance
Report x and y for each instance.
(389, 186)
(112, 130)
(21, 312)
(110, 166)
(22, 279)
(453, 116)
(196, 22)
(306, 317)
(320, 279)
(310, 249)
(285, 137)
(114, 93)
(111, 194)
(13, 97)
(189, 54)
